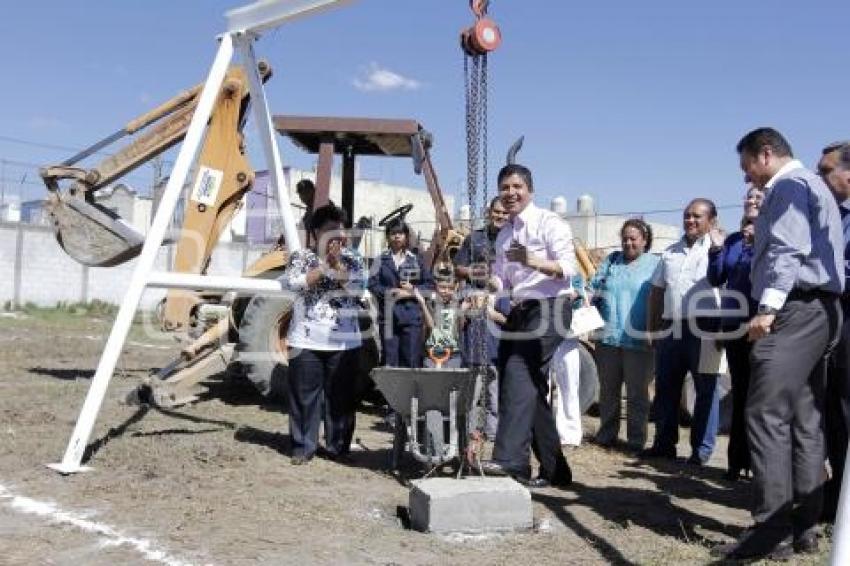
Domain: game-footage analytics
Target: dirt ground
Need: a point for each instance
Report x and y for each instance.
(211, 484)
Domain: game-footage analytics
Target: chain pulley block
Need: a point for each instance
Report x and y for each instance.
(484, 35)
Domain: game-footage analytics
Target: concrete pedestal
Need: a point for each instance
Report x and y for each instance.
(471, 505)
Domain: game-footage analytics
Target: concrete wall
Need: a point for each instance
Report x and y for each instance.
(33, 268)
(603, 232)
(372, 199)
(10, 212)
(8, 248)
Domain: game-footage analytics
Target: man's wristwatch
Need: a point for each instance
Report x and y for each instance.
(768, 310)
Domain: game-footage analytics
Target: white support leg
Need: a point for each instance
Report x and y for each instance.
(263, 119)
(841, 533)
(194, 135)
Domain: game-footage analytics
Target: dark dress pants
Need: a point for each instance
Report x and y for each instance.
(738, 356)
(676, 355)
(322, 377)
(784, 416)
(402, 345)
(525, 416)
(837, 417)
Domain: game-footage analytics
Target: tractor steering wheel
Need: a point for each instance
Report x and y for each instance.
(399, 212)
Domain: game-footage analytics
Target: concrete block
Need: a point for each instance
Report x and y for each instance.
(470, 505)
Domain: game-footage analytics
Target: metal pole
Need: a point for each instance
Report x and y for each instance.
(841, 533)
(263, 119)
(173, 280)
(348, 185)
(97, 390)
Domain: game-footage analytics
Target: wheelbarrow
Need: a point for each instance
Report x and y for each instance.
(432, 407)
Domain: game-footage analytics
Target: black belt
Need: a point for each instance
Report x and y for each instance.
(812, 295)
(527, 304)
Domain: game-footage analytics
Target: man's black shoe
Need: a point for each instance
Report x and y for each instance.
(491, 468)
(537, 483)
(736, 551)
(807, 544)
(494, 468)
(342, 457)
(753, 545)
(732, 474)
(695, 460)
(540, 482)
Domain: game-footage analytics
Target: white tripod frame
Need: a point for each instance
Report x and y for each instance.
(244, 25)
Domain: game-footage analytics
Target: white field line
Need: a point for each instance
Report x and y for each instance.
(108, 536)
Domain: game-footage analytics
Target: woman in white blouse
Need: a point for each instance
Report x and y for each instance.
(324, 337)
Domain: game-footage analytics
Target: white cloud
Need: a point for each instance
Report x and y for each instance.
(377, 79)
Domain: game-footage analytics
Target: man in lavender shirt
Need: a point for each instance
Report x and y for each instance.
(534, 263)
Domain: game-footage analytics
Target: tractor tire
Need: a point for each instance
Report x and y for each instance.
(588, 387)
(261, 349)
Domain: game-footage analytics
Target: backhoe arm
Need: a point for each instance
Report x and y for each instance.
(94, 235)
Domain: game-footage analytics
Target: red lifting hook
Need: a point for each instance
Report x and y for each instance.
(479, 7)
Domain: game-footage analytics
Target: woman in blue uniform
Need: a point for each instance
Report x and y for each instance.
(399, 313)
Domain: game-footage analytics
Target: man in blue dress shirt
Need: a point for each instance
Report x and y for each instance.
(797, 276)
(834, 169)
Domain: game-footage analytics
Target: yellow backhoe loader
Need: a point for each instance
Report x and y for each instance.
(254, 329)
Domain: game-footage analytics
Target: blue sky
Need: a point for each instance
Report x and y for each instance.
(637, 103)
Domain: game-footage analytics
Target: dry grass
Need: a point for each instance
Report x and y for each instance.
(211, 482)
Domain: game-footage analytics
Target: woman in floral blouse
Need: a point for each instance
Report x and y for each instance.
(324, 337)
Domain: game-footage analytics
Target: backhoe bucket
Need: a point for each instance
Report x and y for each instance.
(91, 234)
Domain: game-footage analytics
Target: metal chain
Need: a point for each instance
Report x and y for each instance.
(475, 92)
(473, 131)
(484, 137)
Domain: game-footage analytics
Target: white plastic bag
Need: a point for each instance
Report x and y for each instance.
(712, 360)
(586, 320)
